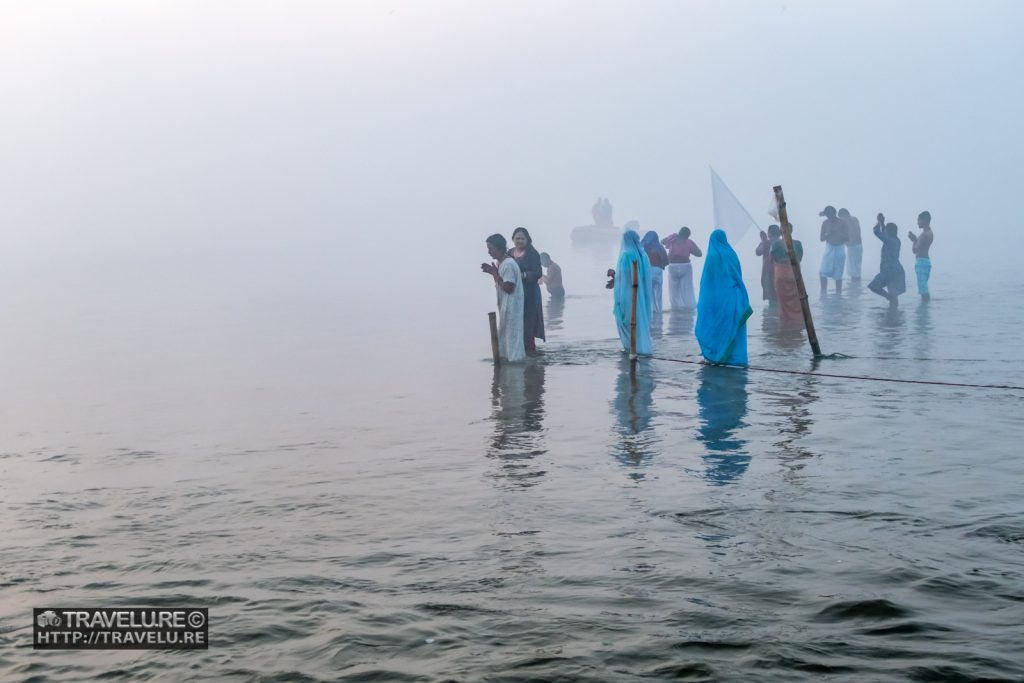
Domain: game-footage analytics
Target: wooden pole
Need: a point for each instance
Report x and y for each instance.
(632, 319)
(787, 236)
(492, 318)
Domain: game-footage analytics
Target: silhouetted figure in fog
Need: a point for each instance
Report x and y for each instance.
(658, 257)
(552, 277)
(891, 280)
(833, 234)
(854, 245)
(923, 264)
(606, 213)
(764, 250)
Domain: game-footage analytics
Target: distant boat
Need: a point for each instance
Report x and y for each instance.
(590, 234)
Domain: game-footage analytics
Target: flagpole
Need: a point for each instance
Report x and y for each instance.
(787, 236)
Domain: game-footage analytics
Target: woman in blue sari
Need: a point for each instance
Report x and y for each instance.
(622, 282)
(723, 306)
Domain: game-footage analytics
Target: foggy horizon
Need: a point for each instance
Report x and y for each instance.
(213, 127)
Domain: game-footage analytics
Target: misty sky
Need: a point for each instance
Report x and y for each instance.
(199, 128)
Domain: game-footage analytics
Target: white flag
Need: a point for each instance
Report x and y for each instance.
(729, 213)
(773, 208)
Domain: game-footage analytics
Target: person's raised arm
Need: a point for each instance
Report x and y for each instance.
(763, 247)
(695, 250)
(824, 231)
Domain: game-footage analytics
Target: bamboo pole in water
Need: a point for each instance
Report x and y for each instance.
(632, 319)
(492, 318)
(787, 236)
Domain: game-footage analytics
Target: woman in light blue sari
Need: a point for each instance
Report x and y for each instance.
(632, 252)
(723, 306)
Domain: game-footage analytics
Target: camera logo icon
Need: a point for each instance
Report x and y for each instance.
(48, 618)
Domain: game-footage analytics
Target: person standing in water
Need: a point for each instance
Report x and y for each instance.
(724, 306)
(658, 257)
(621, 282)
(923, 264)
(552, 277)
(764, 250)
(833, 234)
(854, 244)
(508, 282)
(528, 261)
(786, 291)
(680, 270)
(891, 280)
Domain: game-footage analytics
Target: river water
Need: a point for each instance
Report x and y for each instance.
(334, 468)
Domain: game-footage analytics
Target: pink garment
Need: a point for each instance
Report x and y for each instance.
(679, 249)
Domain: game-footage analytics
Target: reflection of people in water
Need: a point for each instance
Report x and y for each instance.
(722, 401)
(634, 414)
(891, 328)
(555, 312)
(793, 405)
(517, 409)
(681, 322)
(782, 332)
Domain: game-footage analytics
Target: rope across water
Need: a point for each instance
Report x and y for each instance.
(839, 376)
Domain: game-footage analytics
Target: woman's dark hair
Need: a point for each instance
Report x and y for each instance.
(891, 229)
(498, 241)
(684, 232)
(526, 232)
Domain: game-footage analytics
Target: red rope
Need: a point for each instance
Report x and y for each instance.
(862, 377)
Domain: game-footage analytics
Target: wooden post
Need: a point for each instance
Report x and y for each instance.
(632, 319)
(787, 236)
(492, 318)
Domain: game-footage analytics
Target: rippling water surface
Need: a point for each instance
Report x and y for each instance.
(357, 495)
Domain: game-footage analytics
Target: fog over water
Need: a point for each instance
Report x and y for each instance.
(246, 357)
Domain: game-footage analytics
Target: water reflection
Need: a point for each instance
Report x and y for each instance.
(783, 333)
(795, 413)
(517, 409)
(657, 324)
(634, 413)
(681, 322)
(834, 311)
(923, 331)
(722, 401)
(890, 324)
(553, 316)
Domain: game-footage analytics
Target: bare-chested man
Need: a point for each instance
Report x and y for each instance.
(923, 264)
(553, 277)
(834, 233)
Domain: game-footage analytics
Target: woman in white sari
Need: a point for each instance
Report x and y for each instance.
(508, 282)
